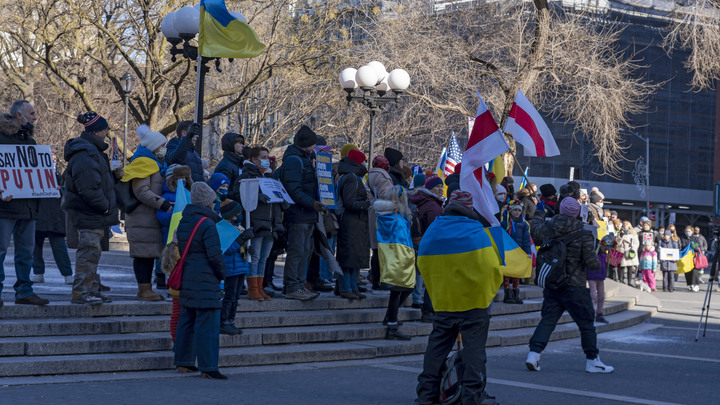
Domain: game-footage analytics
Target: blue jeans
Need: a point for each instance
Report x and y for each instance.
(348, 281)
(299, 249)
(23, 233)
(262, 245)
(578, 303)
(198, 337)
(419, 292)
(59, 251)
(325, 273)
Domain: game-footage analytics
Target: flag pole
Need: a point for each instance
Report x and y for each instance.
(519, 167)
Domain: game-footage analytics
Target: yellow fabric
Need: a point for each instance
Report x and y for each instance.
(517, 264)
(140, 168)
(602, 230)
(499, 168)
(397, 264)
(685, 264)
(462, 281)
(237, 40)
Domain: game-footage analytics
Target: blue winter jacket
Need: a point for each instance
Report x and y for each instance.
(520, 233)
(182, 152)
(235, 264)
(164, 217)
(204, 265)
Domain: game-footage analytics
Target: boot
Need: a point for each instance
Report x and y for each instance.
(258, 284)
(145, 293)
(516, 296)
(393, 333)
(507, 299)
(253, 293)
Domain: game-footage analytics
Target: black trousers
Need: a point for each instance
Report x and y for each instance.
(143, 268)
(473, 325)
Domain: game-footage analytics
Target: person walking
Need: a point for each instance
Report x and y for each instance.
(144, 232)
(629, 245)
(575, 297)
(379, 182)
(198, 329)
(353, 246)
(668, 267)
(90, 203)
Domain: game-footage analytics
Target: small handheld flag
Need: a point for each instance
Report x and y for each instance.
(454, 156)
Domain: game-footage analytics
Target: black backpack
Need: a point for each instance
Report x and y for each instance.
(550, 264)
(417, 230)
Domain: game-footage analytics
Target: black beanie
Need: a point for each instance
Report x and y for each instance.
(305, 137)
(547, 190)
(229, 209)
(393, 156)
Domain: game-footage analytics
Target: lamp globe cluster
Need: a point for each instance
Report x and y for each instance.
(375, 75)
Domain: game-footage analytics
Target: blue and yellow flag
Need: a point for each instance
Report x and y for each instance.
(224, 36)
(497, 167)
(140, 168)
(517, 264)
(460, 264)
(395, 251)
(182, 196)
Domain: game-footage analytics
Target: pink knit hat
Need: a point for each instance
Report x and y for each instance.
(570, 207)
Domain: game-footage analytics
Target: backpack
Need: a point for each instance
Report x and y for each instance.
(550, 264)
(417, 230)
(451, 380)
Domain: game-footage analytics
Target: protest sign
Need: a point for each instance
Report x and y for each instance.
(326, 185)
(115, 156)
(670, 254)
(275, 190)
(27, 171)
(615, 257)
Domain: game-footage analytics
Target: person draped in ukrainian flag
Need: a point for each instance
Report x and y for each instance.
(461, 266)
(396, 254)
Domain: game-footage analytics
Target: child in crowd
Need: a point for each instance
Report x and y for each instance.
(668, 267)
(221, 186)
(169, 191)
(648, 264)
(516, 226)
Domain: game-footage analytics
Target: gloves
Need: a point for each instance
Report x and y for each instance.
(263, 198)
(193, 130)
(166, 206)
(247, 234)
(317, 206)
(251, 250)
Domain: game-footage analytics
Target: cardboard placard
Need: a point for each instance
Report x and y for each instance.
(670, 254)
(27, 171)
(614, 257)
(115, 155)
(326, 183)
(275, 190)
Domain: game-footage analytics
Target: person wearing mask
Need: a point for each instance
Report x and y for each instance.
(596, 203)
(379, 183)
(668, 267)
(181, 150)
(548, 200)
(702, 247)
(232, 161)
(629, 245)
(429, 201)
(692, 277)
(395, 159)
(501, 197)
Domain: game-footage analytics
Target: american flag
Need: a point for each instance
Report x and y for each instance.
(454, 156)
(323, 148)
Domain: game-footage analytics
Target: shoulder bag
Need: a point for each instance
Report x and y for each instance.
(175, 279)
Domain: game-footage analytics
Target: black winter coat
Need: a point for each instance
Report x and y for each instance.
(89, 195)
(297, 174)
(52, 216)
(353, 245)
(231, 163)
(453, 183)
(204, 265)
(182, 152)
(266, 219)
(397, 177)
(12, 134)
(580, 251)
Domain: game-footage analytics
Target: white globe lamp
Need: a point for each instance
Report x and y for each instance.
(366, 76)
(347, 78)
(379, 69)
(399, 80)
(187, 21)
(168, 28)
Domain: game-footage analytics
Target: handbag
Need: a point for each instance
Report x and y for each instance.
(125, 197)
(175, 279)
(700, 261)
(630, 254)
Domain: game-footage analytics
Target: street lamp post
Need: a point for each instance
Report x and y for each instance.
(374, 84)
(127, 81)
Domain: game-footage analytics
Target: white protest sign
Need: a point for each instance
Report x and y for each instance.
(275, 190)
(27, 171)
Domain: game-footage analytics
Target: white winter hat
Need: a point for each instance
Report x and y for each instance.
(150, 139)
(500, 190)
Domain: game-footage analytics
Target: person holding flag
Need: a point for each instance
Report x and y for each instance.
(174, 175)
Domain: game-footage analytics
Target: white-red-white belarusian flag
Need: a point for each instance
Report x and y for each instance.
(529, 129)
(473, 180)
(486, 142)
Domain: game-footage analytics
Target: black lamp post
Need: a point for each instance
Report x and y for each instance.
(374, 87)
(127, 81)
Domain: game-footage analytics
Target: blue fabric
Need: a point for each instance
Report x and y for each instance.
(235, 264)
(348, 281)
(23, 234)
(164, 217)
(198, 337)
(325, 273)
(142, 151)
(59, 251)
(218, 11)
(182, 152)
(475, 236)
(262, 245)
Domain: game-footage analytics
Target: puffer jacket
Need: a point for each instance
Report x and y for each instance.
(51, 217)
(353, 244)
(520, 232)
(182, 152)
(580, 251)
(429, 206)
(627, 242)
(297, 174)
(89, 194)
(204, 265)
(144, 232)
(266, 219)
(379, 182)
(648, 259)
(667, 265)
(12, 134)
(231, 163)
(235, 263)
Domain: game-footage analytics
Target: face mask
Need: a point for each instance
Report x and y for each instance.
(688, 233)
(500, 197)
(265, 163)
(27, 126)
(160, 153)
(600, 205)
(222, 193)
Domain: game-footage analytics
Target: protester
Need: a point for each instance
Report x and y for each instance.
(648, 264)
(501, 197)
(298, 176)
(453, 181)
(429, 201)
(596, 278)
(519, 230)
(420, 298)
(628, 244)
(397, 257)
(198, 330)
(575, 297)
(353, 246)
(89, 202)
(529, 202)
(596, 203)
(692, 277)
(379, 183)
(461, 292)
(232, 161)
(266, 220)
(181, 150)
(508, 184)
(702, 248)
(173, 174)
(144, 233)
(668, 267)
(548, 201)
(396, 162)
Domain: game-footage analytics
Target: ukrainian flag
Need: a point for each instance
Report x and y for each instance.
(460, 264)
(517, 263)
(395, 251)
(182, 197)
(224, 36)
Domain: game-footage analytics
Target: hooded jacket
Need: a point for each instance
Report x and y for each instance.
(297, 174)
(12, 134)
(429, 206)
(353, 243)
(580, 251)
(266, 219)
(182, 152)
(231, 163)
(89, 194)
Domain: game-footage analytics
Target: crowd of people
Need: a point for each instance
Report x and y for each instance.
(382, 214)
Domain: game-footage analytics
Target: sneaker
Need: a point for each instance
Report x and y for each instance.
(597, 366)
(311, 294)
(103, 287)
(87, 300)
(301, 295)
(696, 288)
(601, 319)
(37, 278)
(533, 361)
(69, 279)
(103, 297)
(215, 375)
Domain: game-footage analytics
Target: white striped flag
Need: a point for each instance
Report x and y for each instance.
(454, 156)
(529, 129)
(486, 141)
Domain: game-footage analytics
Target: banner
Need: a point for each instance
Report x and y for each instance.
(27, 171)
(275, 190)
(326, 185)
